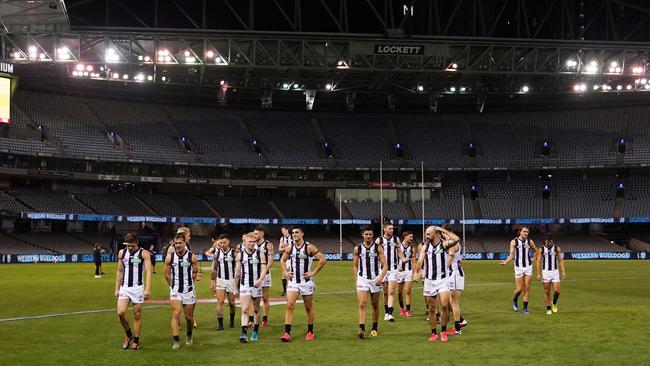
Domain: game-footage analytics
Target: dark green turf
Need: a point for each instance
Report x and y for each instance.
(602, 314)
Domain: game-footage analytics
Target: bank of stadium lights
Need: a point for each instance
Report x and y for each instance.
(637, 69)
(580, 87)
(144, 58)
(571, 64)
(592, 67)
(614, 68)
(164, 56)
(63, 54)
(111, 55)
(189, 58)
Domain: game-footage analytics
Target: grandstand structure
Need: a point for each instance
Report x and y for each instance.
(516, 116)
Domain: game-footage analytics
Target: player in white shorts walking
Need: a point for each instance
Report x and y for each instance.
(130, 287)
(181, 269)
(456, 286)
(405, 275)
(370, 268)
(296, 264)
(520, 249)
(548, 258)
(266, 250)
(223, 271)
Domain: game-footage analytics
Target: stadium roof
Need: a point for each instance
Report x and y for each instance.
(24, 16)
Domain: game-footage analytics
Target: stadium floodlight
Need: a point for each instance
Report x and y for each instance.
(42, 56)
(116, 75)
(420, 88)
(75, 73)
(592, 67)
(525, 89)
(571, 63)
(209, 54)
(619, 87)
(452, 67)
(190, 60)
(111, 55)
(89, 68)
(286, 85)
(595, 87)
(80, 67)
(637, 69)
(140, 58)
(452, 89)
(643, 81)
(85, 73)
(17, 55)
(187, 54)
(163, 78)
(33, 52)
(614, 68)
(628, 87)
(341, 64)
(220, 61)
(139, 77)
(63, 53)
(646, 86)
(222, 82)
(328, 86)
(150, 77)
(582, 87)
(463, 89)
(147, 59)
(125, 76)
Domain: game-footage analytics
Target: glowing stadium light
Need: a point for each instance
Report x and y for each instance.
(582, 87)
(111, 55)
(525, 89)
(190, 60)
(89, 68)
(571, 63)
(452, 67)
(164, 78)
(33, 52)
(125, 76)
(452, 89)
(63, 53)
(637, 69)
(139, 77)
(462, 89)
(619, 87)
(220, 61)
(85, 73)
(420, 88)
(75, 73)
(328, 86)
(42, 56)
(150, 77)
(286, 85)
(592, 67)
(341, 64)
(595, 87)
(147, 59)
(628, 87)
(646, 87)
(643, 81)
(209, 54)
(140, 58)
(17, 55)
(296, 86)
(163, 52)
(186, 53)
(79, 67)
(168, 59)
(606, 87)
(116, 75)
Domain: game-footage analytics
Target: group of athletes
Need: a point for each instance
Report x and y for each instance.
(387, 264)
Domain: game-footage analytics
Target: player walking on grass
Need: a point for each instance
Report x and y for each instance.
(370, 268)
(223, 272)
(131, 286)
(391, 245)
(548, 258)
(181, 269)
(249, 275)
(520, 249)
(296, 265)
(432, 262)
(265, 248)
(284, 242)
(405, 275)
(456, 286)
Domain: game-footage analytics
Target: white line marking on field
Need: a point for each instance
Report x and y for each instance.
(83, 312)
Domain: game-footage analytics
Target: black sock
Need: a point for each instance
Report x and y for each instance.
(284, 285)
(433, 331)
(386, 309)
(220, 320)
(136, 339)
(555, 297)
(401, 304)
(462, 319)
(287, 328)
(177, 338)
(408, 307)
(265, 318)
(390, 310)
(525, 304)
(244, 330)
(443, 328)
(362, 327)
(189, 332)
(548, 307)
(251, 318)
(256, 328)
(457, 325)
(232, 318)
(310, 328)
(374, 326)
(515, 299)
(129, 334)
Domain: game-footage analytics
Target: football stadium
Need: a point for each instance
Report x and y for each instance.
(331, 181)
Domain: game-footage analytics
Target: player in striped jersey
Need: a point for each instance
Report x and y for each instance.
(432, 262)
(284, 242)
(187, 235)
(370, 268)
(520, 250)
(181, 269)
(456, 286)
(296, 264)
(249, 275)
(266, 249)
(391, 245)
(223, 271)
(405, 275)
(548, 258)
(130, 287)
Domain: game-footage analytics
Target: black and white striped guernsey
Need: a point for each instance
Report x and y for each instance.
(435, 265)
(224, 263)
(133, 266)
(549, 258)
(182, 281)
(369, 262)
(522, 253)
(300, 262)
(286, 240)
(390, 246)
(251, 267)
(264, 250)
(408, 255)
(457, 263)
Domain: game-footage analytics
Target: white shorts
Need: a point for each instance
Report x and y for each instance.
(134, 294)
(364, 284)
(551, 276)
(456, 282)
(404, 276)
(225, 285)
(523, 271)
(267, 281)
(250, 291)
(433, 288)
(187, 298)
(303, 288)
(391, 275)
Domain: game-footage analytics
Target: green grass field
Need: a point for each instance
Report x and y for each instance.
(601, 320)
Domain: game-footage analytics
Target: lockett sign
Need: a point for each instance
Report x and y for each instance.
(392, 49)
